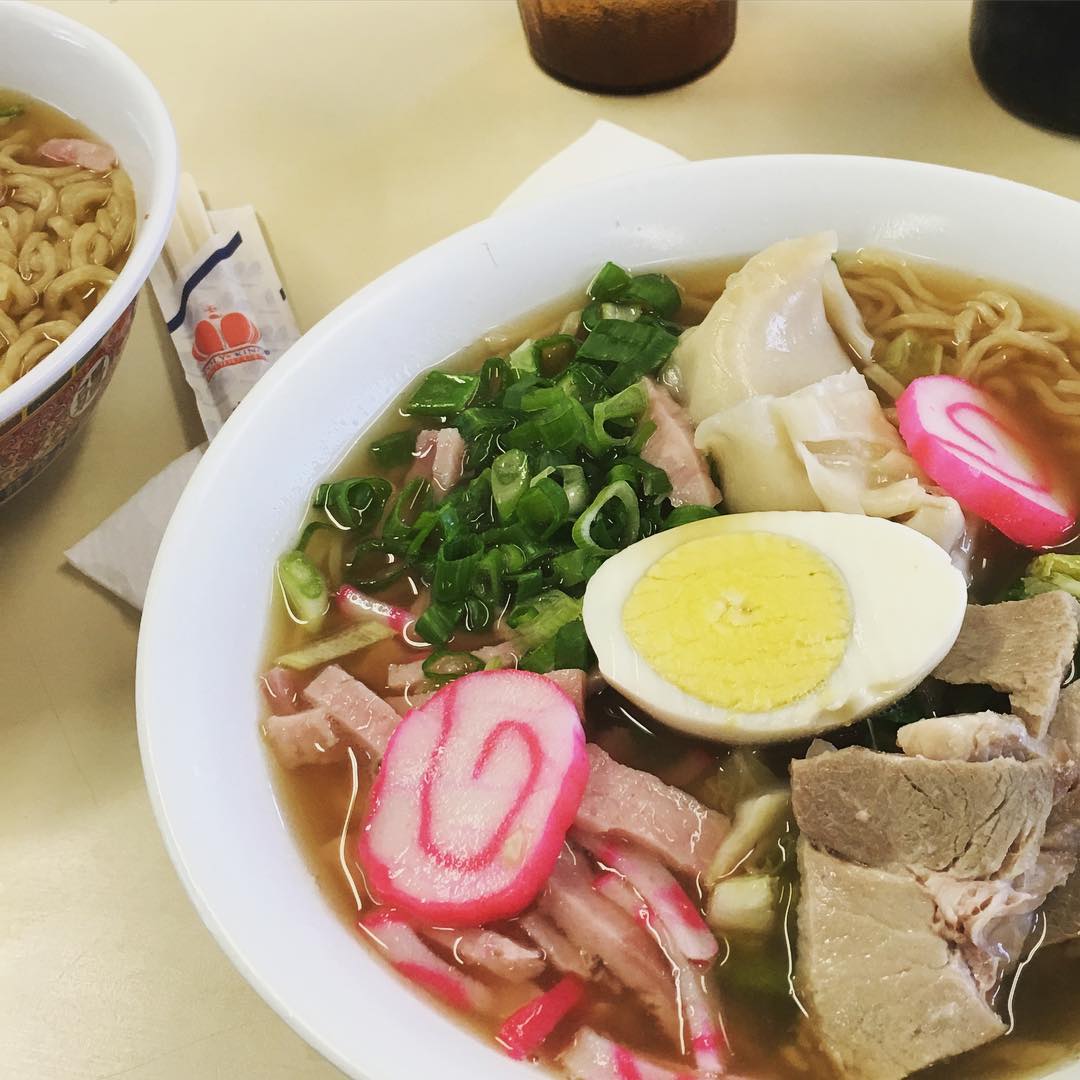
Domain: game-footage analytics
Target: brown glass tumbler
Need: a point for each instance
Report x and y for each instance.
(628, 46)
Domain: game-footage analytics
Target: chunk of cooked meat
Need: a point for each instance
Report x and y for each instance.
(634, 805)
(1062, 911)
(969, 819)
(559, 951)
(1022, 648)
(969, 737)
(362, 716)
(884, 989)
(303, 738)
(491, 952)
(1066, 722)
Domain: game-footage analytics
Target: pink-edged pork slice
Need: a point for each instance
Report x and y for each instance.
(667, 900)
(559, 951)
(702, 1031)
(524, 1031)
(440, 458)
(477, 790)
(671, 448)
(636, 806)
(303, 738)
(592, 1057)
(492, 952)
(283, 689)
(89, 155)
(412, 958)
(364, 718)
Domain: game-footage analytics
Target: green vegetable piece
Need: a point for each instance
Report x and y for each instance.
(613, 341)
(482, 419)
(1048, 572)
(555, 353)
(746, 903)
(376, 564)
(495, 376)
(542, 617)
(592, 532)
(357, 503)
(407, 509)
(648, 480)
(543, 508)
(573, 568)
(509, 480)
(627, 405)
(609, 282)
(910, 356)
(642, 434)
(742, 774)
(592, 315)
(304, 589)
(560, 427)
(479, 614)
(574, 485)
(394, 450)
(10, 112)
(437, 624)
(455, 566)
(584, 382)
(758, 822)
(443, 665)
(657, 292)
(527, 584)
(683, 515)
(524, 360)
(623, 312)
(443, 393)
(350, 640)
(568, 648)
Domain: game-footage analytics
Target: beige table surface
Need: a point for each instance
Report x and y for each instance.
(362, 132)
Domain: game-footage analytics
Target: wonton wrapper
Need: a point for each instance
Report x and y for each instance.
(770, 332)
(827, 446)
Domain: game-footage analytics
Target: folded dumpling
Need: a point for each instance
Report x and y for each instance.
(827, 446)
(770, 331)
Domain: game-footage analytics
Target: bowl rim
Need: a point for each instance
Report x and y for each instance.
(150, 232)
(152, 650)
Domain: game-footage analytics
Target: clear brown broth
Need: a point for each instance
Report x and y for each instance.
(763, 1022)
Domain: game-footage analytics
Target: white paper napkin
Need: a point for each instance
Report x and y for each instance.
(120, 552)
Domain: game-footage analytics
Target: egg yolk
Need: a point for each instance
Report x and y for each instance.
(748, 621)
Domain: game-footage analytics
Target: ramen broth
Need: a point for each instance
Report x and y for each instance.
(761, 1016)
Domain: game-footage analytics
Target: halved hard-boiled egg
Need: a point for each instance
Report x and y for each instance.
(763, 627)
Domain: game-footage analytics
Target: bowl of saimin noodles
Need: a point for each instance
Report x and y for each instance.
(657, 660)
(87, 183)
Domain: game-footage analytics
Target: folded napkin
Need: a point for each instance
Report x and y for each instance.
(120, 552)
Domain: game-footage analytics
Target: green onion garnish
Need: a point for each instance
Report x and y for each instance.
(609, 282)
(573, 568)
(376, 563)
(396, 449)
(436, 625)
(455, 565)
(657, 292)
(443, 393)
(613, 341)
(540, 619)
(443, 665)
(627, 405)
(523, 360)
(509, 479)
(574, 485)
(611, 522)
(683, 515)
(304, 589)
(555, 353)
(354, 504)
(543, 508)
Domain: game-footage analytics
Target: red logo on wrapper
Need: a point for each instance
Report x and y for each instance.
(223, 340)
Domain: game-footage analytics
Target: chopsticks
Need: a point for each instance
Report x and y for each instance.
(190, 227)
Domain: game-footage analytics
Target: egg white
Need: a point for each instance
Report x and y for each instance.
(907, 605)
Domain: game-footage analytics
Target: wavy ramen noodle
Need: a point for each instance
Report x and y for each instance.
(67, 221)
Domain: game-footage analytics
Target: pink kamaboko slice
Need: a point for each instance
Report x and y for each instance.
(592, 1057)
(410, 957)
(525, 1031)
(356, 606)
(984, 459)
(476, 792)
(666, 898)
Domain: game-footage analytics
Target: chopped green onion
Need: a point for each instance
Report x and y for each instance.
(304, 589)
(527, 584)
(513, 558)
(657, 292)
(542, 397)
(628, 404)
(455, 564)
(642, 434)
(683, 515)
(443, 393)
(478, 614)
(495, 376)
(541, 618)
(592, 530)
(543, 508)
(487, 577)
(393, 450)
(436, 625)
(613, 341)
(351, 639)
(523, 360)
(375, 565)
(574, 485)
(625, 312)
(483, 418)
(422, 530)
(514, 395)
(406, 509)
(648, 479)
(555, 353)
(443, 665)
(310, 530)
(509, 479)
(609, 282)
(560, 427)
(591, 315)
(583, 382)
(575, 567)
(354, 504)
(910, 355)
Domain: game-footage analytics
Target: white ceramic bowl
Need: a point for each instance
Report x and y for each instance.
(205, 621)
(62, 63)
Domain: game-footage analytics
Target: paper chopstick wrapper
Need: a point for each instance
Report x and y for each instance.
(120, 553)
(223, 303)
